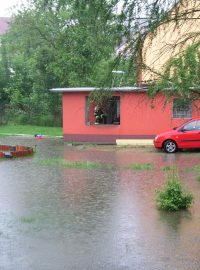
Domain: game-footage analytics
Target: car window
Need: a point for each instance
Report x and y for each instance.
(190, 126)
(198, 125)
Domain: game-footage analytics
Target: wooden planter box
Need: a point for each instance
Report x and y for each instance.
(7, 151)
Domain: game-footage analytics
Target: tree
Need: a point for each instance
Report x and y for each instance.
(57, 44)
(70, 43)
(4, 79)
(181, 75)
(165, 40)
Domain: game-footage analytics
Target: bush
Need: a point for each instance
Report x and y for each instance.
(43, 120)
(21, 119)
(37, 120)
(173, 197)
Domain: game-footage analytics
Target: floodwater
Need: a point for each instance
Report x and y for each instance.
(57, 218)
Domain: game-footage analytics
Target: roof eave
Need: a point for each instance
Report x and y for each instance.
(90, 89)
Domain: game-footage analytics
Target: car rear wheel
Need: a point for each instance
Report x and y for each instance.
(170, 146)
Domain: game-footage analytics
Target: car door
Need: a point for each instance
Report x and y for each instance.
(189, 135)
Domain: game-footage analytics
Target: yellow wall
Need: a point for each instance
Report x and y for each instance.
(171, 39)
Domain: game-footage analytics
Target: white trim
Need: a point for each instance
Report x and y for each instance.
(90, 89)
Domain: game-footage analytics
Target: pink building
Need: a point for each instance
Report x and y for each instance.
(130, 113)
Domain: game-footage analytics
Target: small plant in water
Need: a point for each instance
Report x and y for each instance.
(196, 168)
(173, 197)
(167, 168)
(141, 166)
(27, 219)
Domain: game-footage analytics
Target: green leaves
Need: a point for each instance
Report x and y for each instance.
(56, 44)
(181, 76)
(173, 197)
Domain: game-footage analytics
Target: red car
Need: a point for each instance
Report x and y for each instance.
(185, 136)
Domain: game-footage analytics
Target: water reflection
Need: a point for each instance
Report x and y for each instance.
(173, 221)
(57, 218)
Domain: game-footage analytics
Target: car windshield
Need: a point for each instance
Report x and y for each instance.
(183, 124)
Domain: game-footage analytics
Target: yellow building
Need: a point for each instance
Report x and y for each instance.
(172, 38)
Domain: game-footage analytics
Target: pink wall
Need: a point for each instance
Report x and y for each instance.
(140, 117)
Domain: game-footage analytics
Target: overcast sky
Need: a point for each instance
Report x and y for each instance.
(6, 5)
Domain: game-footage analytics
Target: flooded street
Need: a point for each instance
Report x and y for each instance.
(54, 217)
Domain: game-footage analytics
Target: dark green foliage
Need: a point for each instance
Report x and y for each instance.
(173, 197)
(67, 43)
(55, 44)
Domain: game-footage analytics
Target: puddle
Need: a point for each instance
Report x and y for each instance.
(53, 217)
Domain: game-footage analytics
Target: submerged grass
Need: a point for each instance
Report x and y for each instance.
(91, 165)
(141, 166)
(196, 168)
(167, 168)
(27, 219)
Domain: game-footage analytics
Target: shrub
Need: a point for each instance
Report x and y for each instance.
(173, 197)
(43, 120)
(20, 119)
(37, 120)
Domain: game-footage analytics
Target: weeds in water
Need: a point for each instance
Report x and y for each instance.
(27, 219)
(196, 168)
(167, 168)
(91, 165)
(173, 197)
(141, 166)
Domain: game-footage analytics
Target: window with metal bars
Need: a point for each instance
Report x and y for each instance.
(182, 109)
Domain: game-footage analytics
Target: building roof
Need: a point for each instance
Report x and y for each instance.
(4, 24)
(90, 89)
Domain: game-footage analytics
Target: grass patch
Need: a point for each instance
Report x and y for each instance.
(27, 219)
(30, 130)
(141, 166)
(167, 168)
(173, 196)
(91, 165)
(3, 135)
(196, 168)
